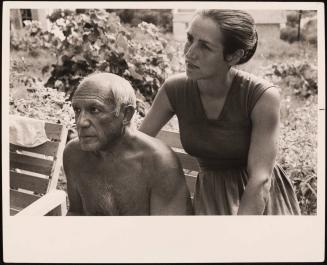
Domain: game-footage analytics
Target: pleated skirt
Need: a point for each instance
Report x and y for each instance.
(219, 192)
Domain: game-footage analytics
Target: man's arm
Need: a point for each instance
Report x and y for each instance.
(169, 192)
(75, 203)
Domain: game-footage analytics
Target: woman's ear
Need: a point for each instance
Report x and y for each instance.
(235, 57)
(128, 114)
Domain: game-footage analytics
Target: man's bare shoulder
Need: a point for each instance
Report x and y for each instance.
(157, 151)
(72, 146)
(72, 152)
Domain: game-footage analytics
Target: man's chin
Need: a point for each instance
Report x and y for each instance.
(88, 147)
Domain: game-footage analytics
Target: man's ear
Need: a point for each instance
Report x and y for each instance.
(235, 57)
(128, 114)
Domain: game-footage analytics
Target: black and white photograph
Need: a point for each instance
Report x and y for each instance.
(163, 131)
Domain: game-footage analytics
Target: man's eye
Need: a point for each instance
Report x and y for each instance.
(77, 110)
(94, 110)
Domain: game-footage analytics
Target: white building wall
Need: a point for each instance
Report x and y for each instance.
(41, 16)
(37, 14)
(268, 22)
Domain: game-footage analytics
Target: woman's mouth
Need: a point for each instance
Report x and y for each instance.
(189, 65)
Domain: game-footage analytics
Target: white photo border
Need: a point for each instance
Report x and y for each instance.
(165, 239)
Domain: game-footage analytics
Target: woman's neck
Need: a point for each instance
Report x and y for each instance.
(217, 86)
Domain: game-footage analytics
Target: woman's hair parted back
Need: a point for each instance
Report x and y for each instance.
(238, 30)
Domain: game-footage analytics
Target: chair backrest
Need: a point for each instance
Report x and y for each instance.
(35, 171)
(189, 163)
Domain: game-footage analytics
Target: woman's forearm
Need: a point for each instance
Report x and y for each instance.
(254, 198)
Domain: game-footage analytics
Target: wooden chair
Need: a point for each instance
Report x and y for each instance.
(189, 163)
(34, 174)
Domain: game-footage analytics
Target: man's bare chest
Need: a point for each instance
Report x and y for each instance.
(113, 189)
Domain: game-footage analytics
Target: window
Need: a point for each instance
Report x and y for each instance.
(26, 15)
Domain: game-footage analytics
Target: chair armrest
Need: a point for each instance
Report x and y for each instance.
(45, 204)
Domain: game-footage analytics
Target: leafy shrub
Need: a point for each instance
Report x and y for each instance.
(58, 13)
(292, 18)
(162, 18)
(31, 38)
(310, 31)
(290, 34)
(306, 20)
(300, 77)
(38, 101)
(95, 40)
(29, 97)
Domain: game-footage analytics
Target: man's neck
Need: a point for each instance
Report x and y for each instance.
(116, 148)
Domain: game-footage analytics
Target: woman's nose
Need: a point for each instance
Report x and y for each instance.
(189, 51)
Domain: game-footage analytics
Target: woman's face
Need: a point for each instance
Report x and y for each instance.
(203, 50)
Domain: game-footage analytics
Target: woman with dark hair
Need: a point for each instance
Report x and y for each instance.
(228, 119)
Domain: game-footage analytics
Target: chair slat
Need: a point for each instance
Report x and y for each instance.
(34, 162)
(13, 211)
(58, 162)
(28, 182)
(48, 148)
(190, 181)
(188, 162)
(53, 130)
(41, 166)
(46, 204)
(170, 138)
(55, 212)
(19, 200)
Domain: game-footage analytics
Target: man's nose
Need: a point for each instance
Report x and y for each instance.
(83, 120)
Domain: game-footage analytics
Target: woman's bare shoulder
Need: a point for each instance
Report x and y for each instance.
(176, 79)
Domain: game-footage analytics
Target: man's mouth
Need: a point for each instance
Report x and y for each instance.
(86, 137)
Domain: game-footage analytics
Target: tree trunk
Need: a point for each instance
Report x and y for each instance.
(299, 27)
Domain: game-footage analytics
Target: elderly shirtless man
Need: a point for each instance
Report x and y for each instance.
(113, 169)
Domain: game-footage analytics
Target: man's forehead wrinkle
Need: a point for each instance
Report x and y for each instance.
(89, 89)
(90, 96)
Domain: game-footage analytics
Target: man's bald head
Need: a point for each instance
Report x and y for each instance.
(109, 88)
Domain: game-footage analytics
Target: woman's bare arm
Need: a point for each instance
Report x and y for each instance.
(158, 115)
(262, 153)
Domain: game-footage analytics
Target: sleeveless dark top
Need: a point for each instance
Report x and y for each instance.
(221, 145)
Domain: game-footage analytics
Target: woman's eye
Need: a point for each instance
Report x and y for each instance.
(204, 46)
(189, 38)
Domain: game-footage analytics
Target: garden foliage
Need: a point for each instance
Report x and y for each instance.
(87, 41)
(39, 102)
(300, 25)
(297, 142)
(301, 77)
(298, 149)
(162, 18)
(31, 38)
